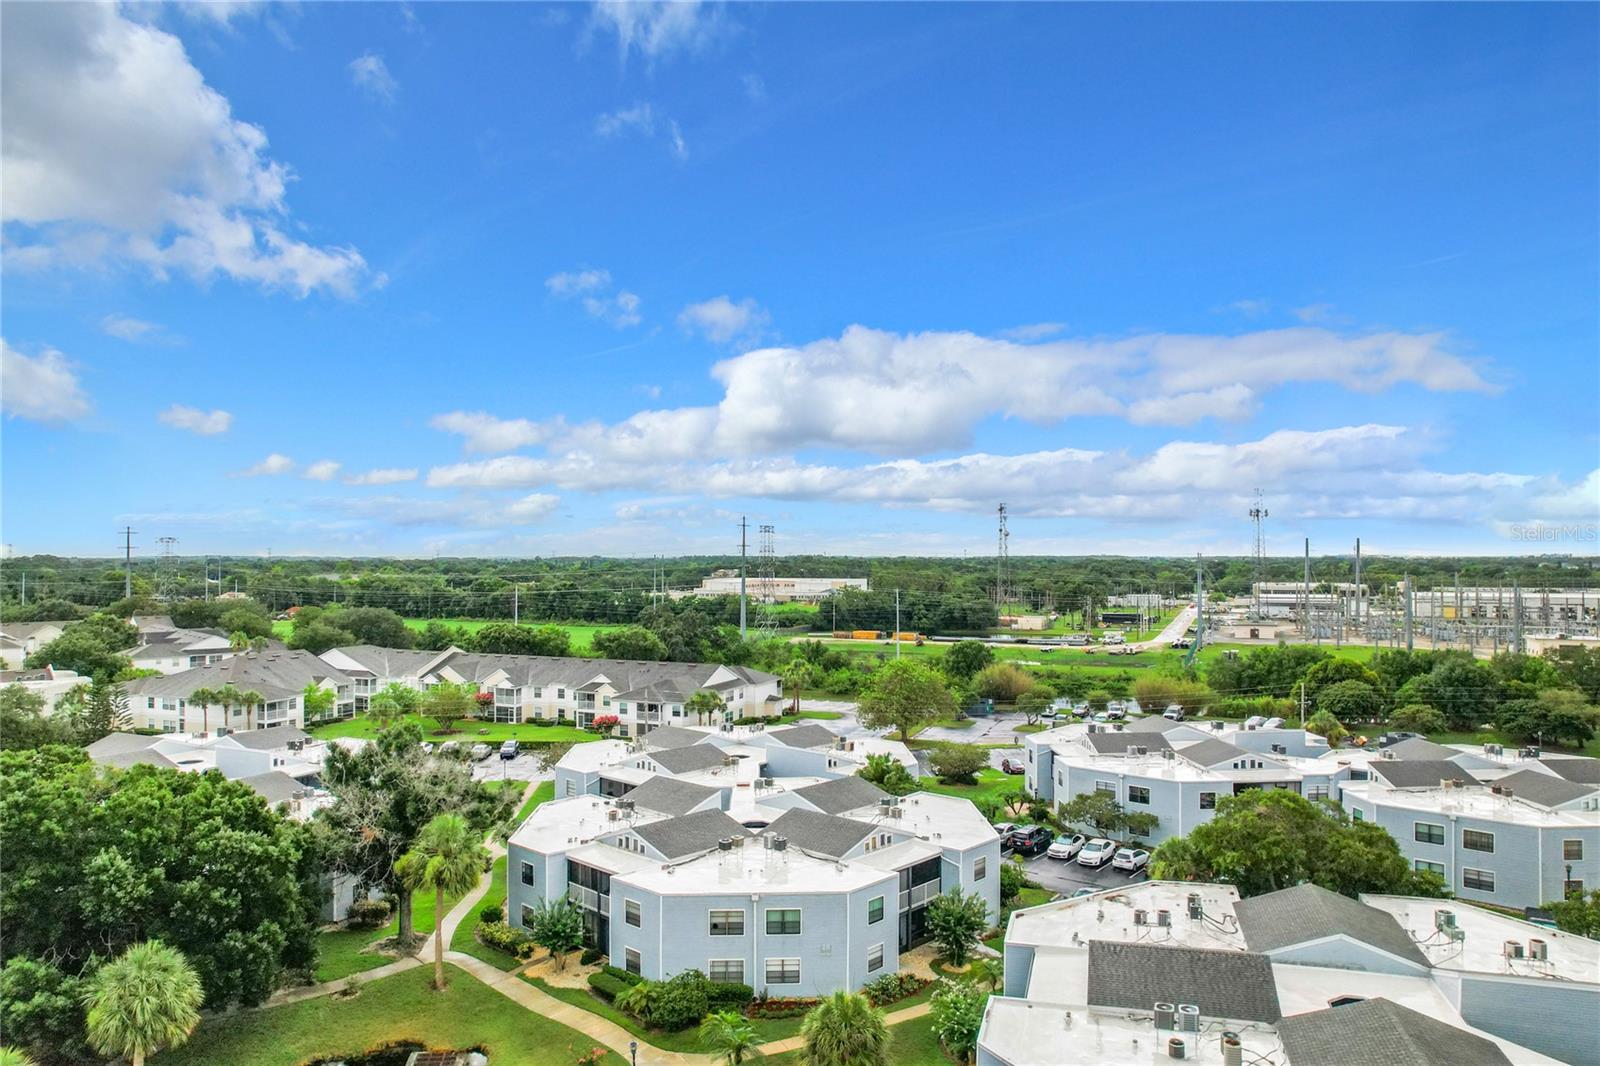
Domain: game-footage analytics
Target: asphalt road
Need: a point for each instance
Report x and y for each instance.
(1067, 877)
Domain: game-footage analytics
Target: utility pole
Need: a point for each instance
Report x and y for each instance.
(516, 604)
(897, 623)
(24, 588)
(1516, 617)
(1305, 592)
(744, 527)
(1359, 591)
(127, 562)
(1410, 632)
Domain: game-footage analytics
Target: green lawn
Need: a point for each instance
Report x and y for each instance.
(494, 899)
(543, 794)
(824, 716)
(914, 1045)
(402, 1007)
(340, 954)
(991, 782)
(467, 732)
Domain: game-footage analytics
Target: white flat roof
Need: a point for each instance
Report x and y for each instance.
(753, 868)
(1026, 1033)
(563, 824)
(1572, 958)
(1109, 916)
(594, 755)
(1475, 802)
(946, 821)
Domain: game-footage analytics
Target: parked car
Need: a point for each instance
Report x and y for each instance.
(1005, 829)
(1048, 716)
(1097, 852)
(1173, 713)
(427, 747)
(1083, 892)
(451, 748)
(1067, 847)
(1031, 840)
(510, 749)
(1011, 766)
(1130, 859)
(481, 752)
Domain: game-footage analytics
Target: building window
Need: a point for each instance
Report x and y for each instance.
(572, 789)
(1316, 792)
(630, 960)
(1356, 815)
(1208, 801)
(1138, 794)
(875, 958)
(1423, 866)
(1360, 775)
(1476, 840)
(783, 971)
(980, 868)
(727, 923)
(783, 923)
(561, 693)
(1572, 850)
(1478, 880)
(527, 873)
(527, 916)
(630, 911)
(1428, 833)
(874, 910)
(725, 971)
(1106, 786)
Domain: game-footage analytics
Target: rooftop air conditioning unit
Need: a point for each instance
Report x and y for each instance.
(625, 804)
(613, 814)
(725, 844)
(1140, 749)
(780, 843)
(1176, 1047)
(1444, 919)
(1195, 909)
(1232, 1050)
(1496, 789)
(1508, 792)
(1188, 1018)
(1168, 754)
(1139, 916)
(1166, 1016)
(1538, 950)
(1513, 949)
(1164, 918)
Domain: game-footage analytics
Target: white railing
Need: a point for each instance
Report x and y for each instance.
(589, 899)
(918, 895)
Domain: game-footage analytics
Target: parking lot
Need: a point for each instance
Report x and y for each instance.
(1067, 877)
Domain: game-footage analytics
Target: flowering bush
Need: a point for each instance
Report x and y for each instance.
(605, 721)
(780, 1007)
(484, 698)
(892, 987)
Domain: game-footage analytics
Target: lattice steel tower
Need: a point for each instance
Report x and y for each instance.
(1002, 564)
(1258, 570)
(766, 580)
(167, 572)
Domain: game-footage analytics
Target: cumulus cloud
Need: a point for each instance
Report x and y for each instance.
(1187, 408)
(657, 28)
(486, 433)
(577, 282)
(383, 476)
(205, 423)
(592, 289)
(370, 74)
(722, 321)
(322, 470)
(1579, 500)
(272, 466)
(1034, 331)
(126, 328)
(116, 150)
(40, 388)
(640, 118)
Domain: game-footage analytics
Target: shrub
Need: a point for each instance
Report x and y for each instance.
(506, 938)
(1417, 718)
(1001, 682)
(958, 763)
(491, 912)
(957, 1015)
(722, 996)
(608, 987)
(369, 913)
(680, 1002)
(780, 1007)
(591, 956)
(893, 987)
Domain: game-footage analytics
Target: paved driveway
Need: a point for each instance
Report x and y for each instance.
(524, 767)
(1067, 877)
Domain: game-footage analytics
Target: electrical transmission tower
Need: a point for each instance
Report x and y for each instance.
(1258, 572)
(1002, 564)
(766, 581)
(167, 574)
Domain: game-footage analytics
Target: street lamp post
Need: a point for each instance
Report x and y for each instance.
(633, 1051)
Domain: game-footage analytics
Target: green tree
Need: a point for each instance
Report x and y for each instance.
(449, 857)
(704, 704)
(1002, 682)
(1417, 718)
(629, 643)
(1098, 699)
(1034, 703)
(1331, 672)
(436, 636)
(729, 1036)
(371, 625)
(557, 926)
(448, 703)
(1013, 879)
(1326, 725)
(903, 695)
(845, 1029)
(143, 1002)
(796, 676)
(1101, 812)
(1555, 716)
(958, 764)
(1351, 702)
(966, 657)
(1263, 840)
(1463, 690)
(317, 636)
(92, 647)
(889, 774)
(252, 622)
(1074, 685)
(1525, 676)
(1579, 913)
(956, 921)
(505, 638)
(1578, 667)
(24, 724)
(42, 1008)
(1158, 692)
(317, 702)
(956, 1011)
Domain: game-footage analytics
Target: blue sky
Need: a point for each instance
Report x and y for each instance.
(514, 279)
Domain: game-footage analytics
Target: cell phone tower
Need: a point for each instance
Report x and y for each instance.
(1002, 564)
(766, 581)
(167, 572)
(1258, 570)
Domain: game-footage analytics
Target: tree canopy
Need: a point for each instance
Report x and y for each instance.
(902, 695)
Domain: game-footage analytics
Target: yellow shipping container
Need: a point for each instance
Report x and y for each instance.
(864, 634)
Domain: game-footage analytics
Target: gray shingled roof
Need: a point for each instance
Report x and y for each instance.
(824, 834)
(1223, 984)
(118, 744)
(1416, 748)
(1310, 912)
(809, 735)
(1377, 1032)
(1211, 752)
(669, 795)
(690, 758)
(268, 739)
(274, 786)
(1419, 773)
(1118, 743)
(388, 662)
(276, 675)
(841, 794)
(570, 673)
(670, 736)
(1547, 790)
(1583, 771)
(1154, 723)
(692, 833)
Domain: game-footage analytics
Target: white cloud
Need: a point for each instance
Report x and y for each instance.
(640, 118)
(40, 388)
(126, 328)
(591, 287)
(1248, 308)
(322, 470)
(621, 310)
(470, 510)
(486, 433)
(1313, 313)
(388, 476)
(680, 148)
(535, 507)
(115, 149)
(205, 423)
(370, 74)
(222, 12)
(755, 89)
(1580, 500)
(722, 321)
(1187, 408)
(577, 282)
(657, 28)
(271, 466)
(1036, 331)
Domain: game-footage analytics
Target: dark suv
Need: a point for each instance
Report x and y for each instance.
(1032, 840)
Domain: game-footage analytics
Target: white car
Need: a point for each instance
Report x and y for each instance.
(1130, 859)
(1067, 847)
(1004, 829)
(1096, 852)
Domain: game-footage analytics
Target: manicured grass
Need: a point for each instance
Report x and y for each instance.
(467, 731)
(340, 954)
(687, 1040)
(398, 1008)
(1037, 727)
(949, 723)
(914, 1045)
(494, 899)
(543, 794)
(991, 783)
(824, 716)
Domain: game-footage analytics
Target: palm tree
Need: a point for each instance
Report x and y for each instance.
(250, 699)
(795, 678)
(729, 1036)
(705, 702)
(142, 1002)
(845, 1029)
(11, 1056)
(449, 858)
(205, 697)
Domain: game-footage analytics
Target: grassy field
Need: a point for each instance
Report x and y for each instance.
(582, 633)
(403, 1007)
(991, 783)
(494, 899)
(914, 1045)
(467, 732)
(543, 794)
(339, 951)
